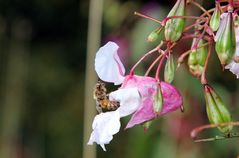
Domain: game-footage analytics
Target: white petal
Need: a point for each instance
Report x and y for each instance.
(129, 99)
(104, 126)
(234, 68)
(237, 40)
(237, 37)
(108, 66)
(237, 47)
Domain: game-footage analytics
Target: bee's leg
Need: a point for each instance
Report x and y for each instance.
(117, 104)
(98, 108)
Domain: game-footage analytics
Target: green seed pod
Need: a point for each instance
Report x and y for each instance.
(215, 19)
(174, 27)
(158, 100)
(169, 69)
(226, 39)
(216, 110)
(154, 35)
(197, 58)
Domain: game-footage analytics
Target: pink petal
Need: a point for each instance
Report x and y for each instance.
(108, 66)
(172, 101)
(144, 84)
(144, 113)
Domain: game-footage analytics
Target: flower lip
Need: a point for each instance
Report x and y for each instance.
(108, 66)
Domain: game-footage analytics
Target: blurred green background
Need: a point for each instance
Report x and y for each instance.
(43, 45)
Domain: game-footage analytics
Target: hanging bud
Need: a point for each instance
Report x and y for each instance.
(216, 110)
(147, 124)
(226, 39)
(158, 100)
(169, 69)
(174, 27)
(197, 58)
(215, 19)
(154, 35)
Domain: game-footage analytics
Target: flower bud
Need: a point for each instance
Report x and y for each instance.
(226, 39)
(216, 110)
(215, 19)
(174, 27)
(169, 69)
(147, 124)
(154, 35)
(197, 58)
(158, 100)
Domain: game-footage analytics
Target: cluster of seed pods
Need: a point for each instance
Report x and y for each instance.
(216, 27)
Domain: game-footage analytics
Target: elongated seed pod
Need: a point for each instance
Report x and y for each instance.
(174, 27)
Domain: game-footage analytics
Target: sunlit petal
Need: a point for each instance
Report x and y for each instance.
(129, 99)
(108, 66)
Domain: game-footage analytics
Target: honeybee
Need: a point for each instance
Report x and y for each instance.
(102, 98)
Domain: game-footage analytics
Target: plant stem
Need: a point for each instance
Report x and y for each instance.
(152, 65)
(144, 56)
(182, 57)
(194, 133)
(161, 62)
(201, 7)
(203, 77)
(147, 17)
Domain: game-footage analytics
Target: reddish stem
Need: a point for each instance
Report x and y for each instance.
(187, 35)
(194, 133)
(195, 46)
(183, 55)
(203, 77)
(161, 61)
(152, 65)
(144, 56)
(192, 26)
(201, 7)
(147, 17)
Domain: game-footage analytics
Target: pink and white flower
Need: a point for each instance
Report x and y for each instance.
(147, 87)
(136, 95)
